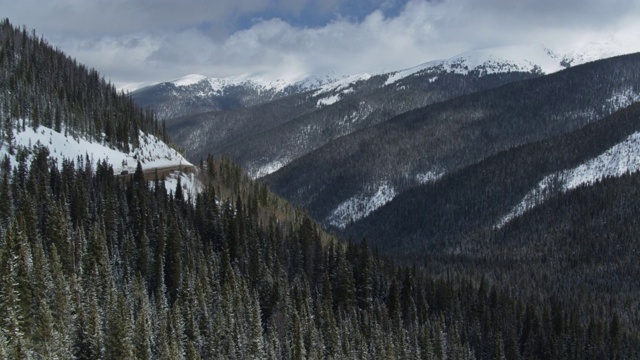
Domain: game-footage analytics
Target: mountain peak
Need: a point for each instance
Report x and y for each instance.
(189, 80)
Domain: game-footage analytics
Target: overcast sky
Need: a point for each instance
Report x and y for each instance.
(133, 42)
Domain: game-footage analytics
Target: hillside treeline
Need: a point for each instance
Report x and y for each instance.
(41, 83)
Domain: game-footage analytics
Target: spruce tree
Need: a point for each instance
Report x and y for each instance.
(11, 318)
(256, 340)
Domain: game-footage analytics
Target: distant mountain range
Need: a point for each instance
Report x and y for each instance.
(194, 94)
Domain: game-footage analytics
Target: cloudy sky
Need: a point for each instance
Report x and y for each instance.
(134, 42)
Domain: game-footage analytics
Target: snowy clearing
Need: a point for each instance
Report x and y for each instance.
(191, 186)
(256, 171)
(330, 100)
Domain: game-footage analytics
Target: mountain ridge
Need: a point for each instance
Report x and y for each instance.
(248, 90)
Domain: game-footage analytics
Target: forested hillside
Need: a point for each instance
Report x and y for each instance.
(42, 84)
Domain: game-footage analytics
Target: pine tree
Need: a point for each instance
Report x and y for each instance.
(256, 341)
(9, 137)
(35, 117)
(89, 335)
(57, 123)
(118, 336)
(173, 257)
(364, 277)
(11, 318)
(499, 348)
(393, 302)
(299, 349)
(138, 175)
(344, 293)
(6, 200)
(327, 320)
(192, 353)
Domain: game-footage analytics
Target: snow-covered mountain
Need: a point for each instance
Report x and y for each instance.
(523, 58)
(537, 59)
(193, 93)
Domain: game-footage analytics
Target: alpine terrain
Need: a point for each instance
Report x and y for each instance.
(490, 208)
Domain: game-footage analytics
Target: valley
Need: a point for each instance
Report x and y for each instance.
(441, 164)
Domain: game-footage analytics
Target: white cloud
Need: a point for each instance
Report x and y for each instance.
(150, 41)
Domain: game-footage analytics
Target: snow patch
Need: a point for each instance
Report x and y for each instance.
(330, 100)
(256, 172)
(191, 186)
(429, 176)
(338, 89)
(343, 84)
(621, 159)
(189, 80)
(361, 206)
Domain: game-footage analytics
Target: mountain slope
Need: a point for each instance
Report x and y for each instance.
(577, 234)
(50, 102)
(264, 137)
(476, 197)
(444, 137)
(151, 152)
(151, 274)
